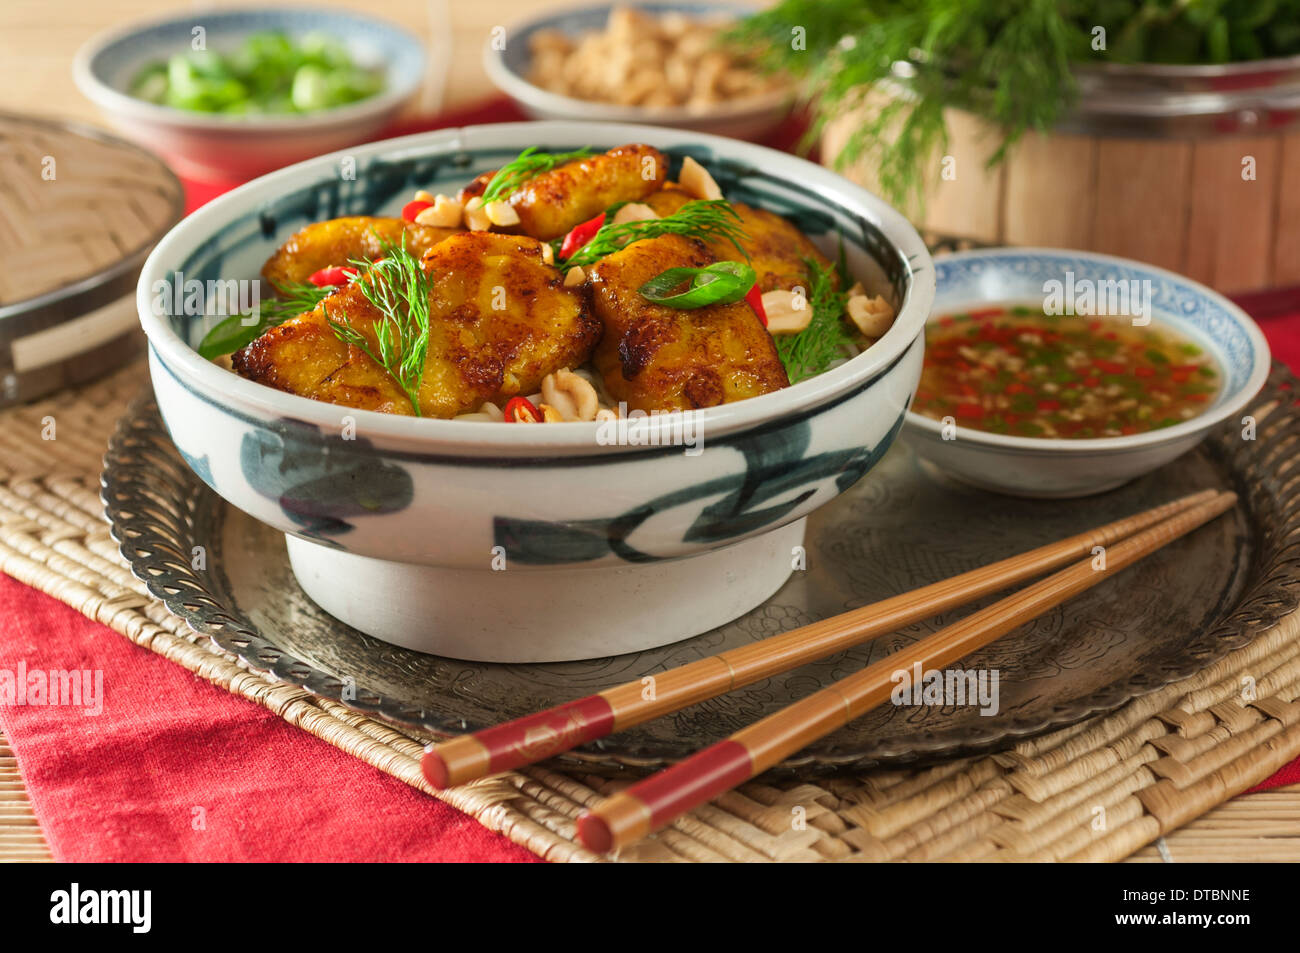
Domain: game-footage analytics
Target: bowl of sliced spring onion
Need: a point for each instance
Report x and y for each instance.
(235, 93)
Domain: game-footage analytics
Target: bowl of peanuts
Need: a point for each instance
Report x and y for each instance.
(660, 63)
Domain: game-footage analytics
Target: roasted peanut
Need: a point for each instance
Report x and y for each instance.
(445, 212)
(787, 312)
(634, 212)
(873, 316)
(696, 180)
(571, 394)
(501, 213)
(475, 216)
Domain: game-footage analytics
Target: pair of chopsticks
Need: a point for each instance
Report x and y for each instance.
(654, 802)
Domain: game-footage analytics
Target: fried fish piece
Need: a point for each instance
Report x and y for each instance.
(552, 203)
(500, 320)
(660, 358)
(776, 247)
(338, 241)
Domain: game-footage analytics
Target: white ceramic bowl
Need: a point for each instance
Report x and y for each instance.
(211, 146)
(508, 69)
(1039, 467)
(401, 526)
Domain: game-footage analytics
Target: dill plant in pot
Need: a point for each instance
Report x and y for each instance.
(885, 77)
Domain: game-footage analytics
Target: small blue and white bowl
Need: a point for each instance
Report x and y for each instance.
(1041, 467)
(514, 543)
(508, 67)
(209, 146)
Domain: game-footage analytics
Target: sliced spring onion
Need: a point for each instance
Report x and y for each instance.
(720, 283)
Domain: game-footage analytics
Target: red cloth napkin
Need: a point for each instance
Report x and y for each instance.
(174, 768)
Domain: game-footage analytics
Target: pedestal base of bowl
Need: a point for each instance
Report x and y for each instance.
(552, 615)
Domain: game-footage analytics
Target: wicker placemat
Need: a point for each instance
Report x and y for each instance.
(1156, 764)
(20, 835)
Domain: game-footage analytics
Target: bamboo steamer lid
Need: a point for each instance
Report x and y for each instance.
(79, 212)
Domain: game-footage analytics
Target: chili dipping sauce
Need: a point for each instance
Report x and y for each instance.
(1018, 371)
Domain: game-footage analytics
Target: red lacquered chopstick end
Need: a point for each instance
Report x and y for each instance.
(435, 770)
(594, 833)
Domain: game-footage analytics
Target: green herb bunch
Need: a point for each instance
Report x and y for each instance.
(1009, 62)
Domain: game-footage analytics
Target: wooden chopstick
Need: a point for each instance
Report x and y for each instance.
(545, 734)
(654, 802)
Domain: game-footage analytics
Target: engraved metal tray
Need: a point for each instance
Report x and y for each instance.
(901, 527)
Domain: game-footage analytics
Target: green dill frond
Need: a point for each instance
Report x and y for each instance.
(827, 338)
(710, 220)
(1006, 61)
(398, 287)
(530, 162)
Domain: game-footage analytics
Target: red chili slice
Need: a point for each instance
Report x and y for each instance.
(1046, 406)
(579, 235)
(336, 275)
(754, 298)
(414, 208)
(969, 411)
(521, 410)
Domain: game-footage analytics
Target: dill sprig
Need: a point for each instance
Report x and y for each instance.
(1006, 61)
(711, 220)
(826, 339)
(295, 298)
(399, 288)
(1009, 62)
(529, 163)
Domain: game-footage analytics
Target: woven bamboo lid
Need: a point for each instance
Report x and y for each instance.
(79, 211)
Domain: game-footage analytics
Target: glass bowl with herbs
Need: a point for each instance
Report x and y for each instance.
(231, 94)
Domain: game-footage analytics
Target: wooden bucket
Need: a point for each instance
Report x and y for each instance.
(1195, 169)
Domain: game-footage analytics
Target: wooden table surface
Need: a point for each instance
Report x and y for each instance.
(37, 43)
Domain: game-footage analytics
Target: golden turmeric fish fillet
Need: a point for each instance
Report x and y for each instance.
(340, 240)
(776, 247)
(500, 319)
(552, 203)
(660, 358)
